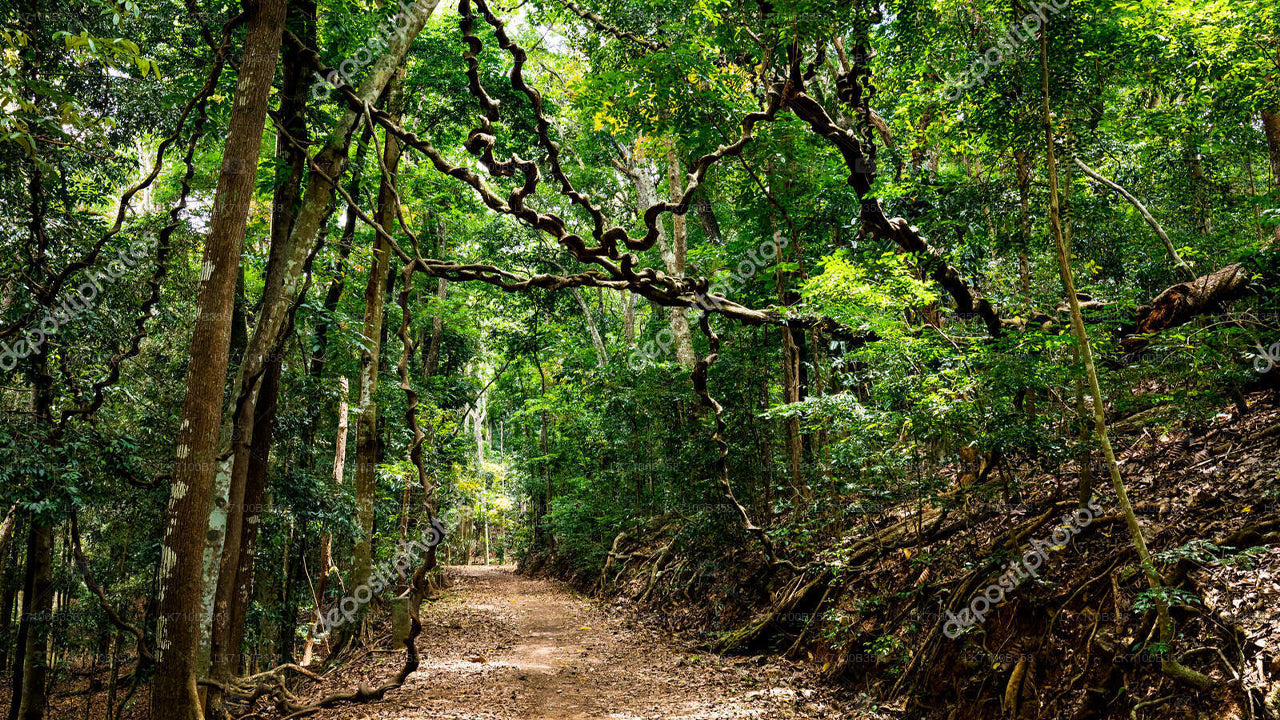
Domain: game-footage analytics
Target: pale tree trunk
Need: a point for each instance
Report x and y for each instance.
(628, 318)
(597, 342)
(374, 301)
(173, 687)
(677, 264)
(1169, 666)
(478, 414)
(6, 534)
(1024, 221)
(672, 250)
(543, 445)
(339, 467)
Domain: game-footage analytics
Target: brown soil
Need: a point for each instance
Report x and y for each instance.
(497, 645)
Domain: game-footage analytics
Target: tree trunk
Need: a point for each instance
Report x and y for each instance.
(294, 551)
(431, 349)
(597, 342)
(9, 597)
(1170, 666)
(791, 394)
(374, 301)
(1180, 303)
(1271, 127)
(339, 466)
(790, 388)
(628, 318)
(173, 688)
(20, 646)
(676, 266)
(252, 421)
(235, 579)
(672, 250)
(113, 673)
(40, 589)
(707, 216)
(544, 422)
(1024, 221)
(6, 535)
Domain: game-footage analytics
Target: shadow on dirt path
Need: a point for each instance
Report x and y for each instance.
(499, 645)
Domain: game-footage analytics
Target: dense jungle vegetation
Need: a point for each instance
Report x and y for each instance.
(793, 331)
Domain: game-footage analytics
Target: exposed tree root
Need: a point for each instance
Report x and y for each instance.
(753, 630)
(364, 692)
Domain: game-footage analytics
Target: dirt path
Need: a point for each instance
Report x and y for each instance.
(498, 645)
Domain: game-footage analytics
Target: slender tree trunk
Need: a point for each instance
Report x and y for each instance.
(628, 318)
(294, 551)
(672, 250)
(707, 216)
(791, 388)
(544, 422)
(1084, 456)
(1024, 221)
(597, 342)
(6, 534)
(20, 646)
(40, 590)
(339, 467)
(374, 301)
(9, 597)
(1271, 128)
(791, 394)
(678, 262)
(431, 348)
(819, 389)
(1170, 666)
(113, 674)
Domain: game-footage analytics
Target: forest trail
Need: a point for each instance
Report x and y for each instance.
(500, 645)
